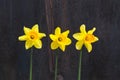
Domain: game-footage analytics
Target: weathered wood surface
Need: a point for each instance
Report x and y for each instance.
(102, 64)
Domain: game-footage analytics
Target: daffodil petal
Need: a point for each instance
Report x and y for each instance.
(26, 30)
(78, 36)
(54, 45)
(41, 35)
(79, 45)
(38, 44)
(53, 37)
(66, 33)
(88, 46)
(91, 31)
(83, 29)
(22, 38)
(68, 41)
(62, 47)
(57, 31)
(95, 39)
(28, 44)
(35, 28)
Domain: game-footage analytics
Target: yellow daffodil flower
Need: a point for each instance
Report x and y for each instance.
(32, 37)
(60, 39)
(85, 38)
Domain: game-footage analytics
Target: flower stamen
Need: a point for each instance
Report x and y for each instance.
(32, 36)
(60, 39)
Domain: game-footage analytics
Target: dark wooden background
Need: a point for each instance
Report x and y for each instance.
(103, 63)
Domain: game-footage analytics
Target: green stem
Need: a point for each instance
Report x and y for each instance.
(56, 63)
(31, 63)
(79, 67)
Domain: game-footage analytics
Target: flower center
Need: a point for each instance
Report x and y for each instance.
(60, 39)
(32, 36)
(89, 38)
